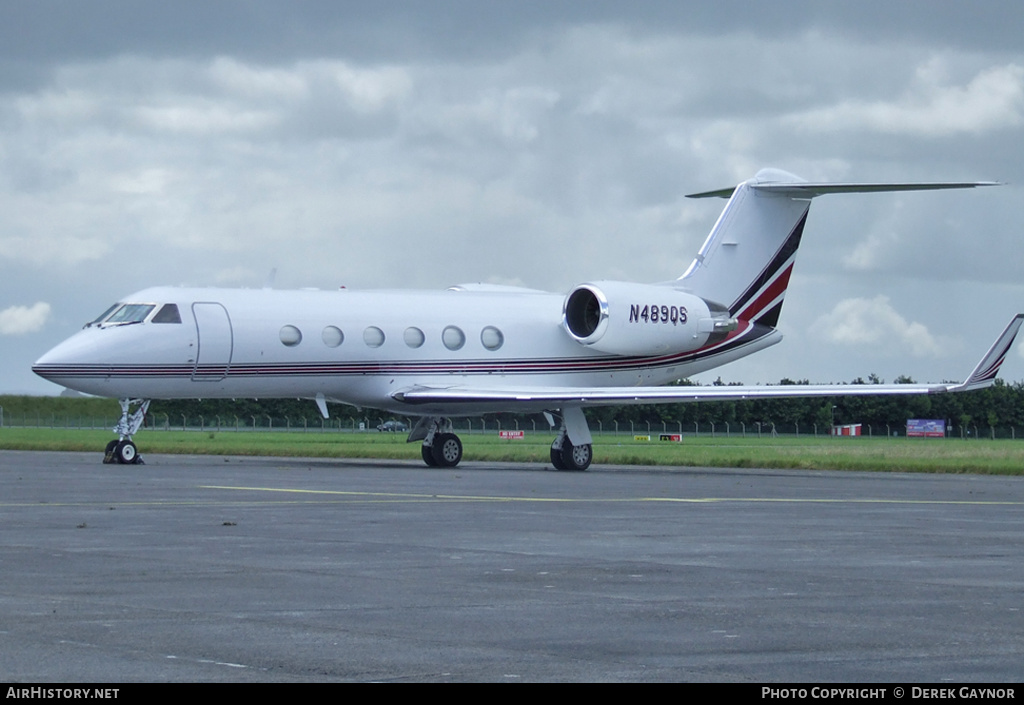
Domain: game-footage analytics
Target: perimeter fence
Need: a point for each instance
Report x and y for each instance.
(374, 424)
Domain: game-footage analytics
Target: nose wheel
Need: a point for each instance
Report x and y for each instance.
(123, 451)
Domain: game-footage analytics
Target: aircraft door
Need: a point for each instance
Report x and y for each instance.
(215, 341)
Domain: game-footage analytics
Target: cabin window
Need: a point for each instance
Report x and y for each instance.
(130, 313)
(492, 338)
(414, 337)
(373, 337)
(453, 338)
(332, 336)
(167, 314)
(290, 336)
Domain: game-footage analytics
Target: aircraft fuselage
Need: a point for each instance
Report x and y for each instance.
(358, 347)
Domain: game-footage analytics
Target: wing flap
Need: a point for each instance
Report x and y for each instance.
(613, 396)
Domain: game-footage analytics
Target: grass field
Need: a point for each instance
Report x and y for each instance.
(877, 454)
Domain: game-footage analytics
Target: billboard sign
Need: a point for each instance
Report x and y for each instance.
(926, 428)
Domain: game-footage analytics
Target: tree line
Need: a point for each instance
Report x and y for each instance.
(1000, 406)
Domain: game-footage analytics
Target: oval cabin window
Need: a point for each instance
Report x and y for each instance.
(491, 338)
(291, 336)
(453, 338)
(414, 337)
(373, 337)
(333, 337)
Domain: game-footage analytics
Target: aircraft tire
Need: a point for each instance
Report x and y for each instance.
(577, 457)
(556, 458)
(127, 453)
(428, 455)
(110, 454)
(447, 450)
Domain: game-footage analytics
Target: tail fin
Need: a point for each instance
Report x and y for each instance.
(746, 261)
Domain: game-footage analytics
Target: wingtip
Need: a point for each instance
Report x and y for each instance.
(987, 369)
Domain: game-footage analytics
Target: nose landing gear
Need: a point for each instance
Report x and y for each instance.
(123, 451)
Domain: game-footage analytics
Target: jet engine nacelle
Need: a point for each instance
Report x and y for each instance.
(641, 319)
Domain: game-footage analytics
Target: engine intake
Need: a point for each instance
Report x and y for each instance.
(586, 311)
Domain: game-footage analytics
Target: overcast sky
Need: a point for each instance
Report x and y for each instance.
(424, 144)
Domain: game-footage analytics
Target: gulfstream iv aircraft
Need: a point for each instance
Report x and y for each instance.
(477, 348)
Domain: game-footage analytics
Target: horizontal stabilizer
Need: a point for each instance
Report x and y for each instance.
(808, 189)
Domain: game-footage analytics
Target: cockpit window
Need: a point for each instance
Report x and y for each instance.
(130, 313)
(99, 318)
(167, 314)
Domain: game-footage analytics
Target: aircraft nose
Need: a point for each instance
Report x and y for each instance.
(64, 359)
(51, 362)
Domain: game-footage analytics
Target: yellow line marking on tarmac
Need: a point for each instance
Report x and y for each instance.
(685, 500)
(348, 496)
(405, 496)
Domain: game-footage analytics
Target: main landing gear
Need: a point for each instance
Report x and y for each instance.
(123, 450)
(566, 456)
(570, 457)
(441, 448)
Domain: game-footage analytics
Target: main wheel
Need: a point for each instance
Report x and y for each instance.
(556, 457)
(428, 455)
(126, 453)
(447, 450)
(576, 457)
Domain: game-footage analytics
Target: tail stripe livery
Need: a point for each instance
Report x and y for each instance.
(770, 287)
(746, 261)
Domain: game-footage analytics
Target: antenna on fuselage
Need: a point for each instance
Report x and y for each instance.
(269, 283)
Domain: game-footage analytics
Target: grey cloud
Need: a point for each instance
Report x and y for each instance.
(399, 144)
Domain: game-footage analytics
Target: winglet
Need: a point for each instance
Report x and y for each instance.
(985, 372)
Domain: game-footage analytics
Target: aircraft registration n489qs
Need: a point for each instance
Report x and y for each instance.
(476, 349)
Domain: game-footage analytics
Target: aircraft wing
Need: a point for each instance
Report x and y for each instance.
(982, 376)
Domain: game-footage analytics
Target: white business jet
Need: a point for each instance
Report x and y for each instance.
(477, 348)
